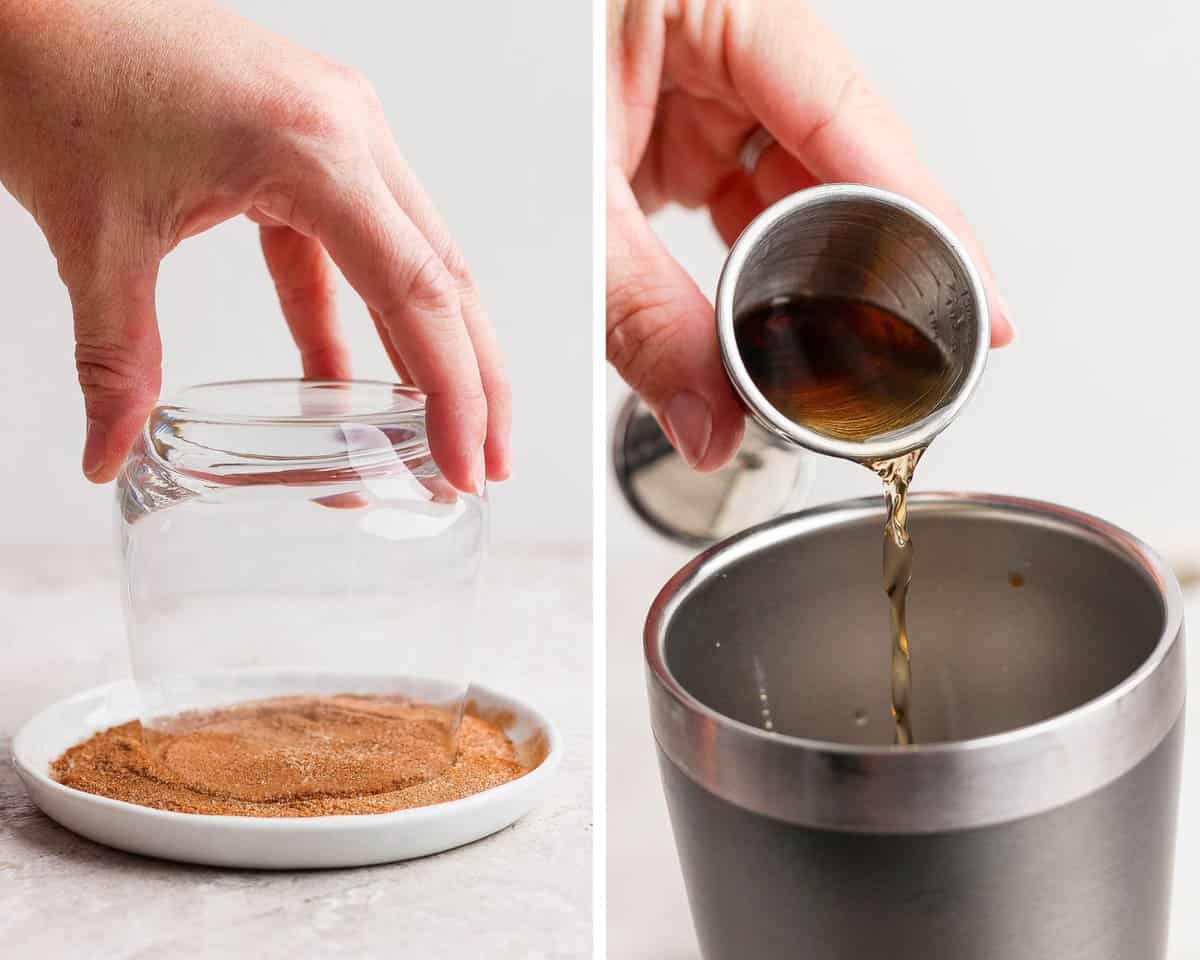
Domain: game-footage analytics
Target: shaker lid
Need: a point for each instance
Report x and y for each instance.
(698, 509)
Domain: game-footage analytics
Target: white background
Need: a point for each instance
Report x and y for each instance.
(1067, 133)
(491, 104)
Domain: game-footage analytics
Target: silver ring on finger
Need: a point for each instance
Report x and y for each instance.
(754, 147)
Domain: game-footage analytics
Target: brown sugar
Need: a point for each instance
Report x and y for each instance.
(301, 756)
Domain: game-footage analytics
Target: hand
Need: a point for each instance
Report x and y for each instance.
(131, 125)
(688, 82)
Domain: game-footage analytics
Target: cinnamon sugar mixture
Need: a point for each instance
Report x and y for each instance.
(301, 756)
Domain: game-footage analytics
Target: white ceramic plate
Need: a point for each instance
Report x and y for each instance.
(270, 843)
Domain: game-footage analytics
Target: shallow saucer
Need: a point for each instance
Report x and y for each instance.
(284, 843)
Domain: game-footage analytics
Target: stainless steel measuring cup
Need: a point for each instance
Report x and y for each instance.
(1035, 817)
(861, 243)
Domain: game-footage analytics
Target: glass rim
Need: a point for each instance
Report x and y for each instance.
(215, 430)
(179, 400)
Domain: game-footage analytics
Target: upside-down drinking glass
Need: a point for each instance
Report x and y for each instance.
(290, 538)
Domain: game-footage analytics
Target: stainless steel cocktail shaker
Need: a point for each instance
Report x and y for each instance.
(1035, 820)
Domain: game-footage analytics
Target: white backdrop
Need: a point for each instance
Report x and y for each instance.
(491, 104)
(1067, 133)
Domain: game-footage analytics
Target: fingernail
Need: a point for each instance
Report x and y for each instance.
(501, 468)
(1004, 312)
(689, 422)
(479, 473)
(93, 448)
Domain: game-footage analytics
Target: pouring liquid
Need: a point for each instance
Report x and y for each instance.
(854, 371)
(897, 474)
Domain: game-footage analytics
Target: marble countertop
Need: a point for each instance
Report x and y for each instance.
(522, 893)
(648, 916)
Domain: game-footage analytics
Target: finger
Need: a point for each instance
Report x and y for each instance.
(823, 111)
(662, 339)
(733, 205)
(778, 174)
(304, 283)
(119, 359)
(393, 268)
(416, 203)
(742, 196)
(350, 500)
(695, 145)
(385, 338)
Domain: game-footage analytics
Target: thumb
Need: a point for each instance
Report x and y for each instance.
(119, 359)
(662, 338)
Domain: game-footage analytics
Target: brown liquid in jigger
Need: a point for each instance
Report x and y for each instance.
(854, 371)
(847, 369)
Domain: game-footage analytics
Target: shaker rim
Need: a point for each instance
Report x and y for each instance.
(710, 562)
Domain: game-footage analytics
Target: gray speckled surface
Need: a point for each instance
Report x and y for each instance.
(522, 893)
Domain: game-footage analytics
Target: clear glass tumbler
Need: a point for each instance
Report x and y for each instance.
(295, 563)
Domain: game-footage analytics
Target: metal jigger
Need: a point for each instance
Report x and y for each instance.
(863, 244)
